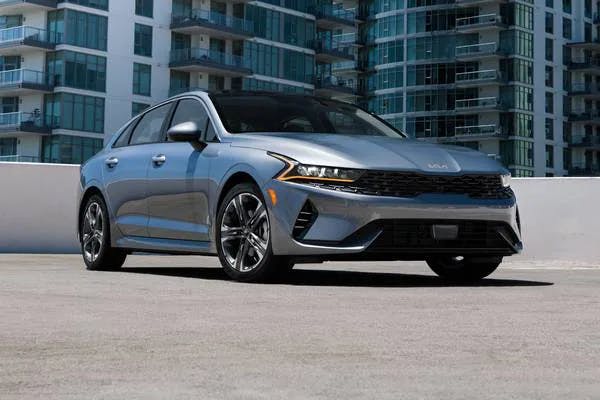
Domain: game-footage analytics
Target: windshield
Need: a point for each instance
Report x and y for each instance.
(245, 113)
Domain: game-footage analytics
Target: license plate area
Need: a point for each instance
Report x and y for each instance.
(444, 232)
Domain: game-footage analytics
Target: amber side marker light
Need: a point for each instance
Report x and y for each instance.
(272, 196)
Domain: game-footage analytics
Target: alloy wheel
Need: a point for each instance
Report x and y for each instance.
(92, 235)
(245, 232)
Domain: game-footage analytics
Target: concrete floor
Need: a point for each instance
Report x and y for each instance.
(340, 331)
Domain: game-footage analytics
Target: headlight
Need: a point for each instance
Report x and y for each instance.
(505, 179)
(296, 171)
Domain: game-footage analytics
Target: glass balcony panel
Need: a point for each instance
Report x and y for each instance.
(207, 55)
(482, 102)
(476, 76)
(21, 33)
(476, 49)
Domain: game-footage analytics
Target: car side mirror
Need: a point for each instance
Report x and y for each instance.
(185, 132)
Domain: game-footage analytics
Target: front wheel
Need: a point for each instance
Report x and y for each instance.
(464, 269)
(244, 237)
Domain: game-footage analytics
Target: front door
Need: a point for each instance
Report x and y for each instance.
(178, 181)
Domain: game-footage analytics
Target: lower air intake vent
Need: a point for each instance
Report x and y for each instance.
(306, 218)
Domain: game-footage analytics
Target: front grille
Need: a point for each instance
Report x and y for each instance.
(409, 184)
(417, 235)
(307, 216)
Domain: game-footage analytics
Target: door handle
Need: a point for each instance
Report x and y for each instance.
(159, 159)
(111, 162)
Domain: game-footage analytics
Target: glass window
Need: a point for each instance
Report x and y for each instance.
(549, 156)
(78, 29)
(99, 4)
(67, 149)
(549, 76)
(143, 40)
(285, 113)
(567, 28)
(145, 8)
(549, 103)
(137, 108)
(77, 70)
(567, 6)
(74, 112)
(549, 22)
(549, 129)
(549, 50)
(123, 139)
(149, 129)
(142, 79)
(190, 110)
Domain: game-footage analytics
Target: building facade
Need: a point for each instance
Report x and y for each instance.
(517, 79)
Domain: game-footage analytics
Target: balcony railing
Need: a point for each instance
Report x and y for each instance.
(334, 11)
(582, 169)
(478, 20)
(585, 141)
(481, 102)
(334, 82)
(477, 49)
(584, 63)
(215, 18)
(19, 159)
(20, 119)
(346, 39)
(477, 130)
(22, 33)
(581, 115)
(20, 76)
(584, 88)
(196, 55)
(332, 45)
(478, 76)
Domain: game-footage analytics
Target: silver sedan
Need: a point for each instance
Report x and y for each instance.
(265, 181)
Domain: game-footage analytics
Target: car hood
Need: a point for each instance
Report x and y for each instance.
(371, 152)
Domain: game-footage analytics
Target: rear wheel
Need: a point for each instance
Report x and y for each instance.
(94, 234)
(464, 269)
(244, 237)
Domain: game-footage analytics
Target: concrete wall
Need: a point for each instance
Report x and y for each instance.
(560, 216)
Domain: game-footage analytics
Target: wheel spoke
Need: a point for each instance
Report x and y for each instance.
(231, 233)
(241, 256)
(87, 237)
(239, 209)
(258, 244)
(258, 216)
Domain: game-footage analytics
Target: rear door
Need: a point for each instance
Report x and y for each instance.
(126, 168)
(178, 181)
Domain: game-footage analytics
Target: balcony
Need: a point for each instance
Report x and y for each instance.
(479, 78)
(586, 45)
(472, 3)
(20, 39)
(333, 86)
(20, 122)
(347, 39)
(584, 169)
(10, 7)
(585, 90)
(329, 51)
(479, 104)
(478, 132)
(478, 51)
(330, 16)
(18, 82)
(585, 141)
(212, 23)
(209, 61)
(590, 65)
(585, 116)
(479, 23)
(346, 67)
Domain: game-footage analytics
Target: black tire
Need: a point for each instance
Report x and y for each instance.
(467, 269)
(105, 257)
(266, 268)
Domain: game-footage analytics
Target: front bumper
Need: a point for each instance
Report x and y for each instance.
(355, 224)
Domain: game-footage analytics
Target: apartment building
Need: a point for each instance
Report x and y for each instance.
(516, 79)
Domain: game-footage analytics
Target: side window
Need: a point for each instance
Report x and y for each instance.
(123, 139)
(150, 127)
(211, 135)
(190, 110)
